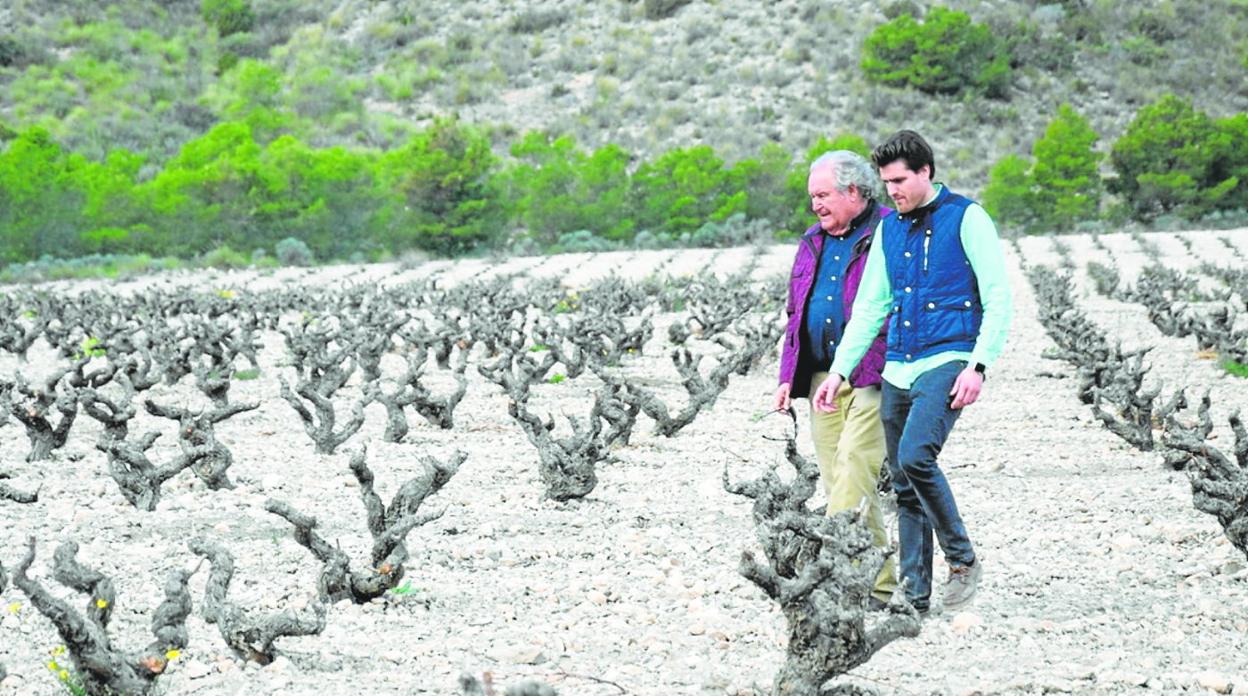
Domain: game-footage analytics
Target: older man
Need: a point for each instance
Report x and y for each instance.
(849, 442)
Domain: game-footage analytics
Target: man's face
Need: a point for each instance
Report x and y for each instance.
(908, 189)
(836, 209)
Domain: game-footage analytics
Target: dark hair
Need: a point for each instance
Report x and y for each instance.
(905, 145)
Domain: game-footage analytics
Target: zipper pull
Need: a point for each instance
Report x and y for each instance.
(927, 243)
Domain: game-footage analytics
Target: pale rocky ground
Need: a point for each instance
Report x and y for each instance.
(1100, 575)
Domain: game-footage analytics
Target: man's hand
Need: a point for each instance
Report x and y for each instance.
(782, 400)
(825, 396)
(966, 387)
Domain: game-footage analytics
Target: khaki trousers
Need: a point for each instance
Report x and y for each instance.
(849, 444)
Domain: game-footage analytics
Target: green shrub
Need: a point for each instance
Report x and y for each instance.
(293, 252)
(735, 231)
(582, 241)
(228, 16)
(1029, 45)
(16, 53)
(658, 9)
(223, 258)
(534, 20)
(947, 53)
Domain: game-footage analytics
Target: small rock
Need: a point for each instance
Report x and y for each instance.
(279, 665)
(224, 665)
(964, 621)
(697, 629)
(1231, 567)
(1188, 570)
(1124, 542)
(518, 655)
(1214, 681)
(194, 669)
(1051, 685)
(596, 597)
(1118, 676)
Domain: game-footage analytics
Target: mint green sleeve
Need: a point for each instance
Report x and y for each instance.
(983, 250)
(871, 307)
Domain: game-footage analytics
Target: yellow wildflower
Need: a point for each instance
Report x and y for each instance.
(64, 675)
(52, 666)
(101, 603)
(173, 654)
(58, 650)
(15, 607)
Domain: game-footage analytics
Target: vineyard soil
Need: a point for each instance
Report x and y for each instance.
(1100, 576)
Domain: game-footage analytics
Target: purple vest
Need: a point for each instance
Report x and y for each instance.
(793, 368)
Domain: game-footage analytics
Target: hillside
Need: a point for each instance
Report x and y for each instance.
(648, 76)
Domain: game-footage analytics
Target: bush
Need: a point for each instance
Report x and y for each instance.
(658, 9)
(293, 252)
(945, 54)
(223, 258)
(228, 16)
(735, 231)
(582, 241)
(534, 20)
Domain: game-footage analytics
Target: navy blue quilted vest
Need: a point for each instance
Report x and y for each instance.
(936, 305)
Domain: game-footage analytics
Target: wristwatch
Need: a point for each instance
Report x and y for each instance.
(980, 368)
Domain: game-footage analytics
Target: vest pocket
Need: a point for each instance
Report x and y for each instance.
(946, 320)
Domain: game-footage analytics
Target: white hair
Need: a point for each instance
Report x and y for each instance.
(849, 167)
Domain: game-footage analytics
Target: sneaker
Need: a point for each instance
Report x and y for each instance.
(962, 583)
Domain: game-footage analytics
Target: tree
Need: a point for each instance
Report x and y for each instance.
(40, 206)
(1008, 194)
(228, 16)
(946, 53)
(683, 189)
(1061, 187)
(1173, 159)
(448, 200)
(1066, 177)
(201, 198)
(556, 189)
(766, 183)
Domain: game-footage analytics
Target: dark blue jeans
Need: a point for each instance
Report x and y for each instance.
(917, 421)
